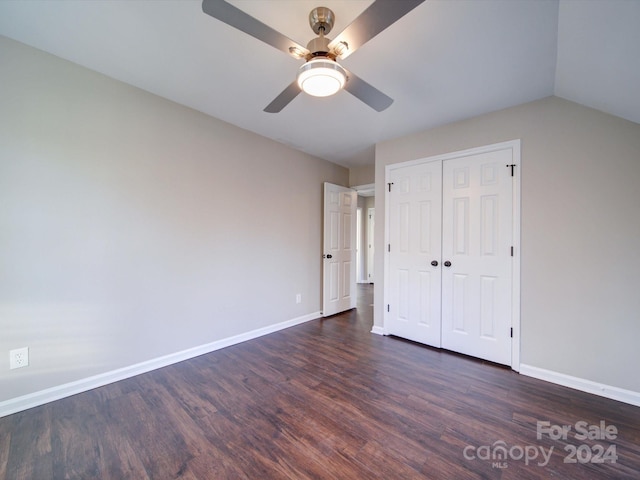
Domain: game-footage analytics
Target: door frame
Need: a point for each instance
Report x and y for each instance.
(514, 145)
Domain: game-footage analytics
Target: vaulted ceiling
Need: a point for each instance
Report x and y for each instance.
(444, 61)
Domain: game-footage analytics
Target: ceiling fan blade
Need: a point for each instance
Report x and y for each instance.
(233, 16)
(284, 98)
(377, 17)
(367, 93)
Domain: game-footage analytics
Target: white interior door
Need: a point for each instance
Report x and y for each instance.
(339, 246)
(415, 208)
(371, 221)
(359, 269)
(477, 233)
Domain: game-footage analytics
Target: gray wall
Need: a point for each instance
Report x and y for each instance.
(132, 227)
(580, 303)
(362, 175)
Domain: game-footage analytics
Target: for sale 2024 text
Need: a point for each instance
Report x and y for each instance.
(582, 431)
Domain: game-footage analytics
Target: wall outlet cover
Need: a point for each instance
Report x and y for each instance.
(18, 358)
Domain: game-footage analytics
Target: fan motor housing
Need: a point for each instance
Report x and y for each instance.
(319, 46)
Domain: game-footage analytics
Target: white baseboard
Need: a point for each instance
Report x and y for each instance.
(378, 330)
(41, 397)
(607, 391)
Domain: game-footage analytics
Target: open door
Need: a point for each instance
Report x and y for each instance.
(339, 250)
(371, 221)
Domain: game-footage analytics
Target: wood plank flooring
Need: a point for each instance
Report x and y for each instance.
(322, 400)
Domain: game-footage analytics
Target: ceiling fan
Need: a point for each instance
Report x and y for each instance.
(321, 75)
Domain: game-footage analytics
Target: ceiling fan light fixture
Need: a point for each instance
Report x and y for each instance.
(321, 77)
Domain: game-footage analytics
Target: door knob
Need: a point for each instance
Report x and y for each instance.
(434, 263)
(328, 256)
(447, 263)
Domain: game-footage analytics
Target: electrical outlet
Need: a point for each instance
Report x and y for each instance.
(299, 298)
(18, 358)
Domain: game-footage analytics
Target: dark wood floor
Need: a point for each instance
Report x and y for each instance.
(327, 400)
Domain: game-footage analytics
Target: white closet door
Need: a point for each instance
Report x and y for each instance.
(477, 229)
(415, 210)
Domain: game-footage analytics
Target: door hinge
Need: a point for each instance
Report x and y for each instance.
(511, 332)
(388, 307)
(512, 251)
(390, 183)
(512, 165)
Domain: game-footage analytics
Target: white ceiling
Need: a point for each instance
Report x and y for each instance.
(446, 60)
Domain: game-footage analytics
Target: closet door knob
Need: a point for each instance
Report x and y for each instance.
(447, 263)
(434, 263)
